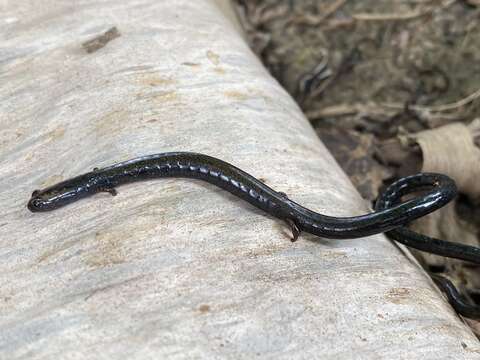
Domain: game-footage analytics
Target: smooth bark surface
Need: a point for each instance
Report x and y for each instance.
(176, 268)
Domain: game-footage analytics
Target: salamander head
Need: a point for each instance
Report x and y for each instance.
(49, 199)
(40, 202)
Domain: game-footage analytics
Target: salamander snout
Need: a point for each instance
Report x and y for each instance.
(42, 201)
(36, 203)
(54, 197)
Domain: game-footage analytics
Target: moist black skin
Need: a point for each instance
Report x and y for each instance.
(250, 189)
(389, 216)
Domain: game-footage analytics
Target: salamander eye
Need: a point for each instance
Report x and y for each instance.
(35, 204)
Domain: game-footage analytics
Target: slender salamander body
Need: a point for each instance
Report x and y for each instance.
(245, 186)
(391, 197)
(389, 216)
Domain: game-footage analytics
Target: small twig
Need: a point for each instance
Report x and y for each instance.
(389, 17)
(405, 16)
(439, 108)
(334, 24)
(333, 111)
(311, 20)
(333, 8)
(378, 113)
(347, 109)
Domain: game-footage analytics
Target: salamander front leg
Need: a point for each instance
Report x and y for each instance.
(110, 190)
(295, 230)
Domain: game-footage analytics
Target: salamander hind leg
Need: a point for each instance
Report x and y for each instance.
(110, 190)
(295, 229)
